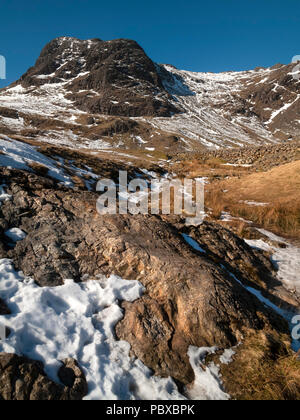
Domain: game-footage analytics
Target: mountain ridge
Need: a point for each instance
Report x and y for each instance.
(90, 82)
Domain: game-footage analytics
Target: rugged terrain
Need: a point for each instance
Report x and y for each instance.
(112, 96)
(133, 307)
(66, 238)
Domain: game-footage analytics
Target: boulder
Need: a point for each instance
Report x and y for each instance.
(24, 379)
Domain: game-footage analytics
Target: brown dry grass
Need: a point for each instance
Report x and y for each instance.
(262, 371)
(279, 188)
(213, 168)
(38, 169)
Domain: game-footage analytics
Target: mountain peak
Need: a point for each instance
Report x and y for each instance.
(114, 73)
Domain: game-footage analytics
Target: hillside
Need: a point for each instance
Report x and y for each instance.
(109, 95)
(148, 305)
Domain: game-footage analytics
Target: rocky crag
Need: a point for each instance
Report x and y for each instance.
(192, 298)
(88, 109)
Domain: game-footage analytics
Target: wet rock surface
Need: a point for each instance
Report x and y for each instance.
(24, 379)
(190, 298)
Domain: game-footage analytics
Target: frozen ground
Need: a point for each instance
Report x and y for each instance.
(286, 260)
(77, 320)
(18, 155)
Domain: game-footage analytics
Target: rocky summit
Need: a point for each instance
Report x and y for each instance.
(114, 77)
(148, 306)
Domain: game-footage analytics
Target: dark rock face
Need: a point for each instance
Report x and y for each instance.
(3, 308)
(9, 113)
(232, 252)
(274, 92)
(190, 299)
(113, 77)
(71, 375)
(24, 379)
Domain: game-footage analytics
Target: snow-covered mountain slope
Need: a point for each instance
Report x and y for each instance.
(215, 111)
(78, 87)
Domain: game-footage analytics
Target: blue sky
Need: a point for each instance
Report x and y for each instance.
(217, 35)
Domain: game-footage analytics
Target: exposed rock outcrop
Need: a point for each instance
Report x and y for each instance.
(119, 76)
(24, 379)
(191, 299)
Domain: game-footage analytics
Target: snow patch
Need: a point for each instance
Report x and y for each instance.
(286, 260)
(77, 320)
(18, 155)
(255, 203)
(227, 356)
(15, 234)
(208, 384)
(3, 196)
(194, 244)
(286, 276)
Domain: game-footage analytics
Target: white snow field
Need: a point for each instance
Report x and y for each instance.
(77, 320)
